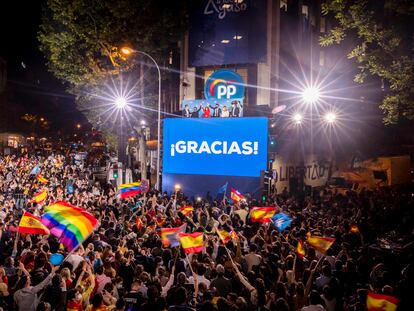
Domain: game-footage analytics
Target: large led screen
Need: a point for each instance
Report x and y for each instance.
(216, 146)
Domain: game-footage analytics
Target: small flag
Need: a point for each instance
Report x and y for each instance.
(262, 214)
(224, 236)
(35, 170)
(236, 196)
(300, 250)
(70, 224)
(169, 236)
(31, 224)
(40, 196)
(138, 222)
(321, 244)
(233, 234)
(161, 221)
(378, 302)
(191, 242)
(41, 179)
(130, 190)
(354, 229)
(281, 221)
(185, 210)
(222, 189)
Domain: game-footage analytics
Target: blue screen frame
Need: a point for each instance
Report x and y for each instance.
(216, 146)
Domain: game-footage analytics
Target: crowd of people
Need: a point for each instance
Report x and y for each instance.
(123, 265)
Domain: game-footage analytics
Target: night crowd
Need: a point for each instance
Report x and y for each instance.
(124, 266)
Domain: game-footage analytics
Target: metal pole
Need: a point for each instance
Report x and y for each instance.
(157, 184)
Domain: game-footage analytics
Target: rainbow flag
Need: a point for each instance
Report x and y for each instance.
(40, 196)
(262, 214)
(378, 302)
(169, 236)
(224, 235)
(41, 179)
(71, 224)
(130, 190)
(31, 224)
(236, 196)
(300, 250)
(321, 244)
(191, 242)
(185, 210)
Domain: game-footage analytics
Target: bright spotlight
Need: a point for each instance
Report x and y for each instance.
(310, 95)
(297, 118)
(198, 199)
(330, 117)
(121, 102)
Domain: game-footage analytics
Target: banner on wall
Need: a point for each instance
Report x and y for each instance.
(314, 171)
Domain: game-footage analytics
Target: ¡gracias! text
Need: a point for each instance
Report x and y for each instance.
(215, 147)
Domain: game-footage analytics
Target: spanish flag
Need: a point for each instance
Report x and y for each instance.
(185, 210)
(300, 250)
(224, 235)
(236, 196)
(31, 224)
(321, 244)
(139, 223)
(191, 242)
(354, 229)
(377, 302)
(41, 179)
(262, 214)
(40, 196)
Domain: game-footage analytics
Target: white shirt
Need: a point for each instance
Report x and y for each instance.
(313, 308)
(200, 279)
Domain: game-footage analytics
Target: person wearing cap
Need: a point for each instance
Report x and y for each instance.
(221, 283)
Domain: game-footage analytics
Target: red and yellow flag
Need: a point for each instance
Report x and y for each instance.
(41, 179)
(40, 196)
(300, 250)
(138, 222)
(191, 242)
(185, 210)
(224, 236)
(262, 214)
(354, 229)
(378, 302)
(31, 224)
(321, 244)
(236, 196)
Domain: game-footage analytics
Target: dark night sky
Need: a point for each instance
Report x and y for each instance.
(30, 84)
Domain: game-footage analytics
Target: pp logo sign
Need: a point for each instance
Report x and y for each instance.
(226, 91)
(224, 84)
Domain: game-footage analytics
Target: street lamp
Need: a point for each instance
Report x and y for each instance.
(121, 102)
(297, 118)
(128, 51)
(311, 95)
(330, 117)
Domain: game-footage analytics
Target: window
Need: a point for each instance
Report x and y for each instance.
(305, 11)
(283, 5)
(323, 25)
(322, 58)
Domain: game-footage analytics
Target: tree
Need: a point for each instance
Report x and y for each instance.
(81, 40)
(383, 32)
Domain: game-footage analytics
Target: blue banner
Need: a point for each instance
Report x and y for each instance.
(213, 108)
(215, 146)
